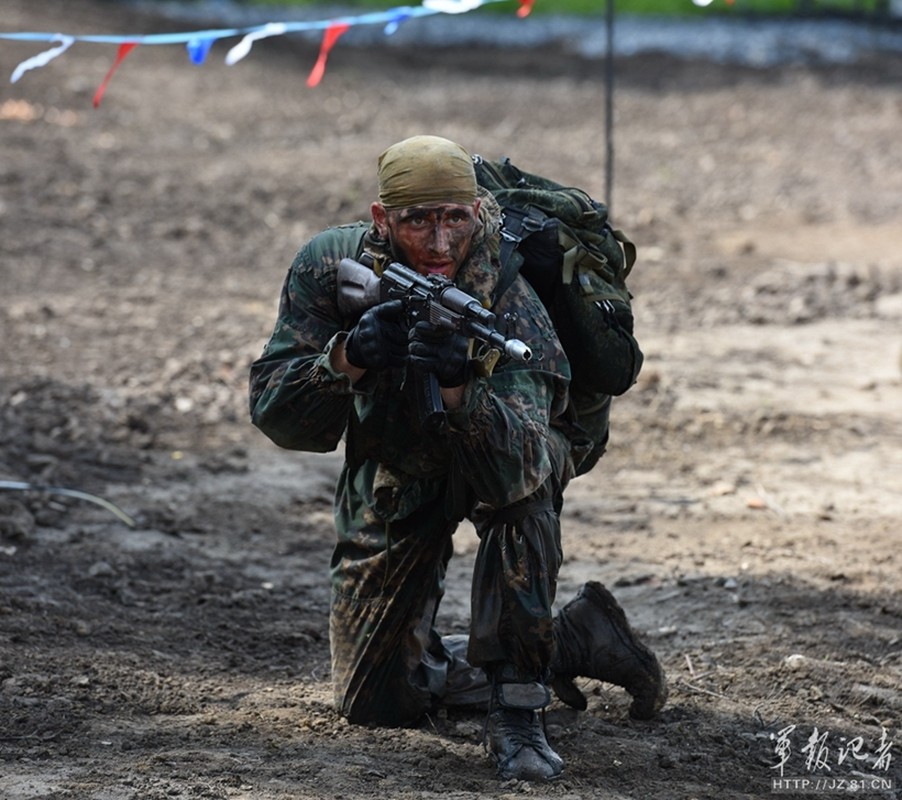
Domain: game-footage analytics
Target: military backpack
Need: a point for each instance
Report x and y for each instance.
(561, 241)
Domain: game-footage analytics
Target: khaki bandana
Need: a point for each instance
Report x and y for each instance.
(424, 170)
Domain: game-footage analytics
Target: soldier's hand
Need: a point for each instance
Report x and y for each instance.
(443, 353)
(379, 339)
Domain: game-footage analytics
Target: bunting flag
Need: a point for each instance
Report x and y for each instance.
(329, 39)
(243, 47)
(199, 43)
(124, 49)
(44, 58)
(198, 49)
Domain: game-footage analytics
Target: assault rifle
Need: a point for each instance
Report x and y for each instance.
(433, 298)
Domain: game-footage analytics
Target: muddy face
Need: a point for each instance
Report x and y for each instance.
(432, 239)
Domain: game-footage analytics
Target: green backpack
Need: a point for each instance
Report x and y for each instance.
(582, 289)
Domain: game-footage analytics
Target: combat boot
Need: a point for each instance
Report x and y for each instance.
(593, 639)
(516, 734)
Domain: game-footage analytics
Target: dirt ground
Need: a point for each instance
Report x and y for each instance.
(747, 514)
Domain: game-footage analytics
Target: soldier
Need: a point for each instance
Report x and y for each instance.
(499, 456)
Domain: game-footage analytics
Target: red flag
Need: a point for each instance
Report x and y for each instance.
(329, 39)
(124, 50)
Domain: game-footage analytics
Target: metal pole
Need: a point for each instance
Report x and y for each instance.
(609, 109)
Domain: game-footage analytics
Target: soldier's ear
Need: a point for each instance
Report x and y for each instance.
(380, 219)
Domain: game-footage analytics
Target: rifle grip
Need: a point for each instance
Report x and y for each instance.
(432, 407)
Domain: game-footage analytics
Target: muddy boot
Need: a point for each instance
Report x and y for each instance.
(516, 735)
(593, 639)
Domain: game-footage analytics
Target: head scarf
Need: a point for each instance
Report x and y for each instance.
(424, 170)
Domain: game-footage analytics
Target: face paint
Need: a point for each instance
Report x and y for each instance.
(433, 239)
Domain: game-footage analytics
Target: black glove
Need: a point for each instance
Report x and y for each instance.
(443, 353)
(379, 339)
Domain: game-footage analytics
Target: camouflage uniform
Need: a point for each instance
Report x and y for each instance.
(502, 459)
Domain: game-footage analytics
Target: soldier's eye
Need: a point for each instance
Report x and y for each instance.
(415, 220)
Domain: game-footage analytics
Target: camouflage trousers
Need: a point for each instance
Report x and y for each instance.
(389, 664)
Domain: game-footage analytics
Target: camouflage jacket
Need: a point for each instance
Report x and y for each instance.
(499, 440)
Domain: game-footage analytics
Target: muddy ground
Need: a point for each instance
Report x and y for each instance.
(747, 514)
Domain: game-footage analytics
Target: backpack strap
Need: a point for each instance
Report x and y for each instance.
(516, 225)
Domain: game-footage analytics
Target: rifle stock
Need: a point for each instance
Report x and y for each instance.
(359, 288)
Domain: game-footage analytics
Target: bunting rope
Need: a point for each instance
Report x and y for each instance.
(199, 43)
